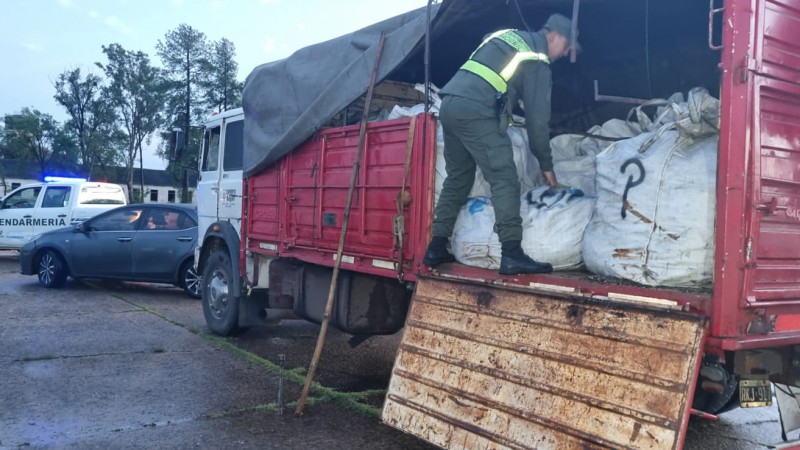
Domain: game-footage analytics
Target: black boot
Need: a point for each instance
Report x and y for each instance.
(515, 261)
(437, 252)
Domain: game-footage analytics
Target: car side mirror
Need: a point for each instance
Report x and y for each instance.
(179, 144)
(81, 227)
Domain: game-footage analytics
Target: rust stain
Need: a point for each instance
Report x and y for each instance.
(636, 213)
(575, 313)
(648, 221)
(494, 360)
(637, 427)
(622, 253)
(484, 299)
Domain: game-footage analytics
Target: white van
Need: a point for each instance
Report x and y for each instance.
(35, 208)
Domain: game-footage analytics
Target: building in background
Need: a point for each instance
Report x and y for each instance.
(159, 185)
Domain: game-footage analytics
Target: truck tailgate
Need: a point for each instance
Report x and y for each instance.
(485, 366)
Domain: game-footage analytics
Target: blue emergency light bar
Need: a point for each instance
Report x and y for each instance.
(51, 179)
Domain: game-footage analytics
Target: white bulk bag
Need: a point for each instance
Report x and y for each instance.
(528, 172)
(474, 241)
(553, 222)
(572, 167)
(654, 218)
(574, 154)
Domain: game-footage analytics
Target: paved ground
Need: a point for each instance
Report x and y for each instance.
(122, 365)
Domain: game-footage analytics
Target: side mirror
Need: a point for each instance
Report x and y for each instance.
(180, 144)
(81, 227)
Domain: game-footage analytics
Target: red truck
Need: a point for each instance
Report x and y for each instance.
(563, 360)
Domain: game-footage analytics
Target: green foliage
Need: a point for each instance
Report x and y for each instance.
(92, 118)
(65, 151)
(135, 91)
(183, 53)
(29, 136)
(221, 91)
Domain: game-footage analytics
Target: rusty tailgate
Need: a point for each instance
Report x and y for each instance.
(489, 367)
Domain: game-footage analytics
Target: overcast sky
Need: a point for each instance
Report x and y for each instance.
(39, 39)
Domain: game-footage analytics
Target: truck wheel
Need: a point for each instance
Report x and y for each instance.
(52, 270)
(190, 281)
(220, 307)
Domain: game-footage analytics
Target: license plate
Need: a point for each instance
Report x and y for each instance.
(755, 393)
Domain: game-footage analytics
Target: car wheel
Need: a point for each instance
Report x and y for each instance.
(220, 306)
(190, 281)
(52, 270)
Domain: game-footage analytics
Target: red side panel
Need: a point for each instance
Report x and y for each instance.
(299, 204)
(775, 255)
(262, 206)
(777, 45)
(776, 145)
(757, 278)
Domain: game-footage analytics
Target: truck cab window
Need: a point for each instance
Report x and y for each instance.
(211, 150)
(234, 146)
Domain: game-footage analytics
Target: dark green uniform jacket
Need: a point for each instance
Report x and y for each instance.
(531, 83)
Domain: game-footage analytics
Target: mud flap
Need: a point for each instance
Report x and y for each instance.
(484, 367)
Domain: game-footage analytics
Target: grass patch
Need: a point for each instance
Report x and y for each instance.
(297, 375)
(349, 400)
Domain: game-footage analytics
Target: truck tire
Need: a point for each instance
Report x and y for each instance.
(220, 307)
(52, 269)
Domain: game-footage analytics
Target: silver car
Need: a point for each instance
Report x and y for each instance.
(145, 242)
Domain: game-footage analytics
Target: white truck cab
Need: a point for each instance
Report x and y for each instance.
(219, 189)
(58, 202)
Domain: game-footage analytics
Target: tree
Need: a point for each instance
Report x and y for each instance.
(183, 54)
(92, 117)
(65, 151)
(135, 91)
(221, 91)
(29, 136)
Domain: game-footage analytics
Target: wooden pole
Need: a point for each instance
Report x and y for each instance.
(332, 292)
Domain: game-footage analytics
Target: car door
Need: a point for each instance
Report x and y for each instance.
(16, 216)
(166, 238)
(53, 212)
(103, 248)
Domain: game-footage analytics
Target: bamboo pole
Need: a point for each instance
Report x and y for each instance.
(334, 280)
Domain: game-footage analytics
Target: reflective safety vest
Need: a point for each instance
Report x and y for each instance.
(523, 53)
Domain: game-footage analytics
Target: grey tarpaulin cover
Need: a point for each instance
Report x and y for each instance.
(286, 101)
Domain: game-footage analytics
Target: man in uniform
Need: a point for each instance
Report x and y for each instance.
(509, 65)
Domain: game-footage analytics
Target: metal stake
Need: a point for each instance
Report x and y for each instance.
(334, 278)
(281, 359)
